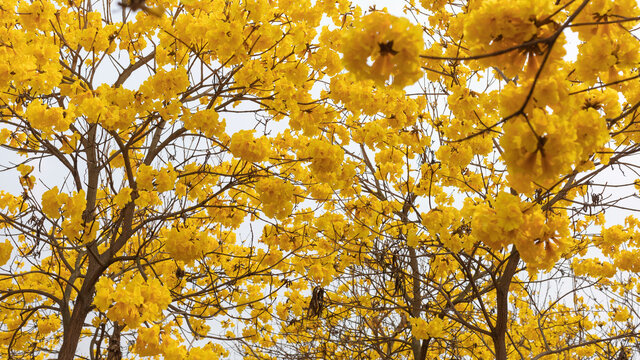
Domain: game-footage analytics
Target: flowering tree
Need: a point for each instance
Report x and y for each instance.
(476, 230)
(202, 173)
(124, 237)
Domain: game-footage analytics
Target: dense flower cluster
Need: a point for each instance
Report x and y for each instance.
(308, 179)
(382, 45)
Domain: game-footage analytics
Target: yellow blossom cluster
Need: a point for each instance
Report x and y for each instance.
(492, 25)
(382, 45)
(165, 85)
(57, 204)
(540, 237)
(606, 50)
(32, 61)
(5, 252)
(132, 301)
(48, 324)
(325, 159)
(26, 179)
(594, 268)
(187, 244)
(423, 329)
(543, 238)
(208, 121)
(52, 202)
(109, 106)
(149, 179)
(245, 146)
(276, 196)
(542, 145)
(47, 119)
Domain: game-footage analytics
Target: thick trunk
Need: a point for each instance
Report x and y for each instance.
(73, 325)
(73, 328)
(502, 302)
(500, 347)
(114, 352)
(98, 263)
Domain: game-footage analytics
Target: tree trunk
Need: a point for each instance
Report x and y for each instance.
(416, 345)
(114, 352)
(502, 302)
(73, 328)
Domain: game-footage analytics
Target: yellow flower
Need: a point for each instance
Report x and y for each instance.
(325, 159)
(25, 170)
(166, 85)
(492, 25)
(423, 329)
(391, 44)
(75, 205)
(148, 341)
(123, 197)
(275, 195)
(52, 202)
(5, 252)
(207, 121)
(48, 324)
(248, 148)
(104, 291)
(144, 177)
(187, 244)
(166, 178)
(508, 211)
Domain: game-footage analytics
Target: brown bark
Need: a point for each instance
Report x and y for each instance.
(502, 301)
(418, 348)
(114, 352)
(73, 327)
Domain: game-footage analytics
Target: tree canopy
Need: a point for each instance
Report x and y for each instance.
(280, 179)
